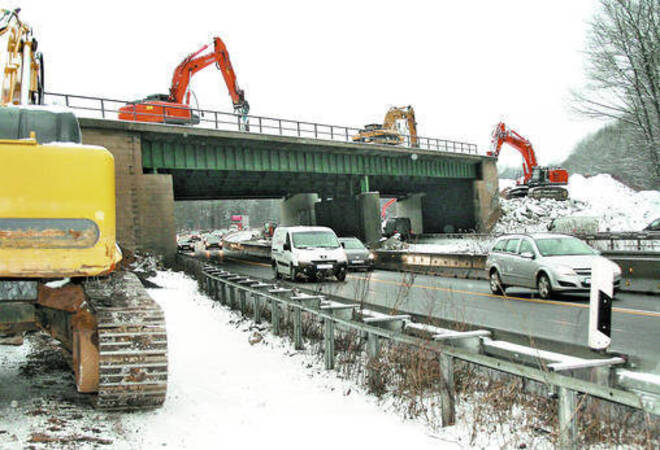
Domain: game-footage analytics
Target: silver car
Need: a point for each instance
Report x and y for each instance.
(547, 262)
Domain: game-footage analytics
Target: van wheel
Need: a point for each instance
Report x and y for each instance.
(496, 286)
(341, 274)
(544, 286)
(276, 272)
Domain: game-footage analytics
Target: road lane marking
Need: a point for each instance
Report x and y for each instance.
(636, 312)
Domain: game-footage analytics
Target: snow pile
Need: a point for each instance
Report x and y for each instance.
(617, 207)
(241, 236)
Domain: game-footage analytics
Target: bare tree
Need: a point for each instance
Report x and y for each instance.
(623, 72)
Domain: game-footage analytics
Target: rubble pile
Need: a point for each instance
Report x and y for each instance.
(529, 215)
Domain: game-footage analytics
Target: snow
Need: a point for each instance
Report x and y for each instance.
(226, 393)
(617, 207)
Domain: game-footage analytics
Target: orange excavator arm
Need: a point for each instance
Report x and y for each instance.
(397, 113)
(504, 135)
(195, 62)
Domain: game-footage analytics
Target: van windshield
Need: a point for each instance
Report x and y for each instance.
(318, 239)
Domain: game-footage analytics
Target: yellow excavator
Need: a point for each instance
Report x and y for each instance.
(59, 257)
(388, 132)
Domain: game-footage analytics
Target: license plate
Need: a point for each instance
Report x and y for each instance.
(324, 266)
(358, 261)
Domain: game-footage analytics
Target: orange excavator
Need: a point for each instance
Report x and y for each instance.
(387, 133)
(537, 182)
(175, 106)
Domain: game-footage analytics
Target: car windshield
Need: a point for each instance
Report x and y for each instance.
(308, 239)
(352, 244)
(213, 239)
(563, 246)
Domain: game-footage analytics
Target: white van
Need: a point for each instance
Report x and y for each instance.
(308, 252)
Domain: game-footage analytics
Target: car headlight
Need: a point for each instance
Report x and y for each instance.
(372, 256)
(565, 270)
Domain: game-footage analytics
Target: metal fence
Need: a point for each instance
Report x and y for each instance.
(239, 291)
(105, 108)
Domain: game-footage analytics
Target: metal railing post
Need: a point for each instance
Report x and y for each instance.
(275, 316)
(216, 119)
(447, 390)
(297, 328)
(257, 307)
(298, 128)
(316, 132)
(242, 298)
(279, 122)
(567, 419)
(329, 343)
(102, 109)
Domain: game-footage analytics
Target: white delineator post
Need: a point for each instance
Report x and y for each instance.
(600, 305)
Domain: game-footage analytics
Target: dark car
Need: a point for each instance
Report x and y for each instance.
(400, 225)
(358, 256)
(212, 241)
(185, 245)
(653, 226)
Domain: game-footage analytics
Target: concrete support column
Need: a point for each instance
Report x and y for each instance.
(144, 202)
(352, 216)
(487, 197)
(411, 207)
(298, 210)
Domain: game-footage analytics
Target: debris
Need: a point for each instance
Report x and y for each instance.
(76, 438)
(12, 340)
(58, 283)
(255, 338)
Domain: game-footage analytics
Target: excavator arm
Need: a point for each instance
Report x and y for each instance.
(504, 135)
(388, 132)
(196, 62)
(175, 106)
(21, 66)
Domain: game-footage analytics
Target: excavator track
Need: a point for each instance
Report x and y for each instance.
(132, 343)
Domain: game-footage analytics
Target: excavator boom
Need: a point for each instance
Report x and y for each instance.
(175, 107)
(538, 182)
(387, 133)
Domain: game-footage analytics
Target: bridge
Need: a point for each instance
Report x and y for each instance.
(322, 176)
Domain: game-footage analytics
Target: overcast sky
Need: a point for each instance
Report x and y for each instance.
(463, 65)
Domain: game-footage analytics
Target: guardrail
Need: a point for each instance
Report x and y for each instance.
(239, 292)
(632, 241)
(640, 271)
(107, 108)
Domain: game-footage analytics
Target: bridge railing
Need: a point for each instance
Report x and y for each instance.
(106, 108)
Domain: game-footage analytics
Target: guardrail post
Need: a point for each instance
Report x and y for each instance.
(329, 343)
(297, 328)
(242, 298)
(102, 109)
(567, 418)
(232, 296)
(275, 316)
(223, 293)
(373, 345)
(257, 307)
(447, 390)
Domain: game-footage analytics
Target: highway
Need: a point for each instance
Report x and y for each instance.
(519, 315)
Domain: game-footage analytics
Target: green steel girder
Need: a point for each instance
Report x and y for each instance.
(227, 155)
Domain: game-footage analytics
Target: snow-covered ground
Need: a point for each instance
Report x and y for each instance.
(224, 392)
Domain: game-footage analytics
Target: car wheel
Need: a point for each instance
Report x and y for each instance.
(341, 274)
(276, 272)
(496, 286)
(544, 287)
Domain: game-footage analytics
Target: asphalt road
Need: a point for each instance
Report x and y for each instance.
(561, 321)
